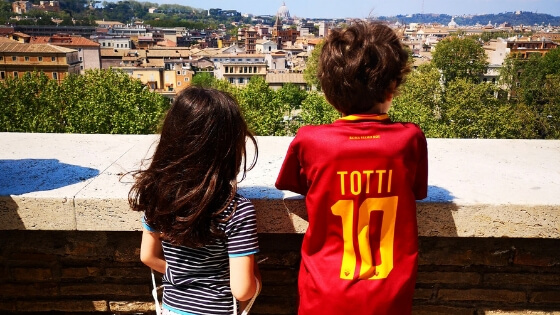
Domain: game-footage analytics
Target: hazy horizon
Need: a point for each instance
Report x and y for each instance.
(363, 9)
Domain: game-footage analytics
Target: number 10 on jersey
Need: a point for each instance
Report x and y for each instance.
(346, 210)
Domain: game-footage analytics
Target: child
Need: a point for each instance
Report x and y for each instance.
(199, 233)
(360, 176)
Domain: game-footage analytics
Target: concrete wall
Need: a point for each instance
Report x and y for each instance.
(489, 229)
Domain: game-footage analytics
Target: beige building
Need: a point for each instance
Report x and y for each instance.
(88, 50)
(240, 68)
(56, 62)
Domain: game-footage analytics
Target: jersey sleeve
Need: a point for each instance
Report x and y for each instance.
(241, 230)
(421, 177)
(291, 176)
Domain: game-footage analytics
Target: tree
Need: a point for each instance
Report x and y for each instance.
(106, 101)
(312, 66)
(30, 104)
(203, 79)
(262, 110)
(291, 97)
(472, 110)
(101, 101)
(419, 100)
(460, 59)
(315, 110)
(532, 85)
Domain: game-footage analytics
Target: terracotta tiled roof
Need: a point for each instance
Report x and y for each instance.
(7, 40)
(33, 48)
(110, 52)
(23, 35)
(6, 30)
(65, 41)
(167, 43)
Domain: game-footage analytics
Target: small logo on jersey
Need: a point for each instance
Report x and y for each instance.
(370, 137)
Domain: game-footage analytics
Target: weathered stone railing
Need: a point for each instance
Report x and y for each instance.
(480, 190)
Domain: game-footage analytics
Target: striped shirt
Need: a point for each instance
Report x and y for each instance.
(196, 280)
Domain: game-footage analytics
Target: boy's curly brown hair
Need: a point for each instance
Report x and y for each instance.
(361, 65)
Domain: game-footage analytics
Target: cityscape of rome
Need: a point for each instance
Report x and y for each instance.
(84, 85)
(275, 47)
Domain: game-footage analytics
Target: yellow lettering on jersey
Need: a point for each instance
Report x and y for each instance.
(368, 178)
(345, 209)
(355, 181)
(342, 191)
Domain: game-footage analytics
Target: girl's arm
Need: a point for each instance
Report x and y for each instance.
(151, 251)
(243, 272)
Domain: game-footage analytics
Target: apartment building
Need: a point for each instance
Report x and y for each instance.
(115, 42)
(23, 7)
(524, 47)
(88, 50)
(56, 62)
(240, 68)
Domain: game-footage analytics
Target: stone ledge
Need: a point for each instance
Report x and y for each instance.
(478, 188)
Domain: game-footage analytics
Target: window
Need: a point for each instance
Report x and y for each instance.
(178, 72)
(55, 75)
(226, 69)
(103, 44)
(178, 83)
(241, 81)
(26, 58)
(186, 79)
(79, 49)
(15, 74)
(255, 69)
(231, 80)
(14, 58)
(81, 59)
(81, 67)
(40, 58)
(53, 58)
(2, 75)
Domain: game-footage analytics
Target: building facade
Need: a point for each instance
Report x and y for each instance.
(56, 62)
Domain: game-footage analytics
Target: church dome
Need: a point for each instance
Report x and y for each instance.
(283, 11)
(452, 24)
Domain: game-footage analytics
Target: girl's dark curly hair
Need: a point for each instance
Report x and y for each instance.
(361, 65)
(192, 177)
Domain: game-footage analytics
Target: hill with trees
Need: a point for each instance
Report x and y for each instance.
(513, 18)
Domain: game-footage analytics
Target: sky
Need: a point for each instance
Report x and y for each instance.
(367, 8)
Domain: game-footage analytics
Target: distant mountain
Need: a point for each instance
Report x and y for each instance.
(513, 18)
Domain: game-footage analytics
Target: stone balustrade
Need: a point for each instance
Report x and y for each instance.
(477, 188)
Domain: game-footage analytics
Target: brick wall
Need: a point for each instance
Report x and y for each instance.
(72, 272)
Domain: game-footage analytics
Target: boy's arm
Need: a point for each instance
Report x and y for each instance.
(291, 176)
(421, 178)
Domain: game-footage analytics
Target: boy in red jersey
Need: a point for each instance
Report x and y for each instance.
(361, 177)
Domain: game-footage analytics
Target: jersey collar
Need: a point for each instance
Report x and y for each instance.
(365, 117)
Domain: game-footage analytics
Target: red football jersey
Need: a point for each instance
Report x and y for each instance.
(360, 176)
